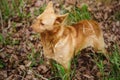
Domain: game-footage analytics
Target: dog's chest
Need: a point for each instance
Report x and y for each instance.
(48, 44)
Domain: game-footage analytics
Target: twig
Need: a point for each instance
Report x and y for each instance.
(40, 76)
(1, 49)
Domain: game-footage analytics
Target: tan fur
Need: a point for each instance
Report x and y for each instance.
(60, 42)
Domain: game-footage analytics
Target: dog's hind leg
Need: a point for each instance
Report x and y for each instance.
(99, 47)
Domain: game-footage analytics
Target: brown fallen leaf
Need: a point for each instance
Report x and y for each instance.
(42, 68)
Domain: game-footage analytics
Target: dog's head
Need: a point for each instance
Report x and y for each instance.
(47, 19)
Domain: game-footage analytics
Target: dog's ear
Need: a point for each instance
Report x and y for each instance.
(48, 17)
(49, 10)
(61, 18)
(46, 20)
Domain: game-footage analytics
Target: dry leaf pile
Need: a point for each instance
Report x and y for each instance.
(22, 45)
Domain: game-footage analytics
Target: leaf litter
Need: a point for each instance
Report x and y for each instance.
(20, 41)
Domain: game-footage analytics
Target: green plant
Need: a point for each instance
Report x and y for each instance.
(12, 8)
(117, 15)
(40, 10)
(31, 57)
(59, 72)
(2, 64)
(100, 65)
(1, 39)
(115, 63)
(4, 7)
(35, 58)
(74, 63)
(78, 14)
(99, 60)
(9, 41)
(41, 61)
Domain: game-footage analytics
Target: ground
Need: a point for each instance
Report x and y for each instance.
(21, 54)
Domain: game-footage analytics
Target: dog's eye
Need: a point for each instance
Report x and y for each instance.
(42, 23)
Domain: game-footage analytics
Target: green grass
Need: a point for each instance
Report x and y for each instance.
(1, 39)
(2, 64)
(114, 64)
(76, 14)
(4, 8)
(32, 58)
(100, 64)
(8, 10)
(40, 10)
(8, 40)
(117, 15)
(59, 72)
(35, 58)
(12, 8)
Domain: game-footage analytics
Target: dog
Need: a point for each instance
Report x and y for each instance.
(62, 42)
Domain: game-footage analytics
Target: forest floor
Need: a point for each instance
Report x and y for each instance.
(21, 54)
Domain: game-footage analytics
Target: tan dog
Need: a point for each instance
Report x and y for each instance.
(60, 42)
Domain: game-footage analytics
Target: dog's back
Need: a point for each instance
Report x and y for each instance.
(88, 33)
